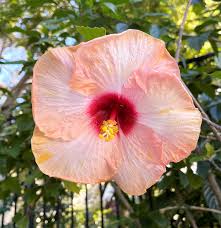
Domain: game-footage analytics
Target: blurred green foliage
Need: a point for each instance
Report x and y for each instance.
(38, 25)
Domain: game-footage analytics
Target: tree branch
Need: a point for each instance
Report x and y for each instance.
(15, 93)
(179, 42)
(217, 126)
(125, 202)
(190, 218)
(189, 215)
(12, 62)
(215, 165)
(195, 208)
(204, 115)
(2, 46)
(215, 187)
(208, 137)
(197, 59)
(123, 199)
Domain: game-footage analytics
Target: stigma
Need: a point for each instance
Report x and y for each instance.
(108, 130)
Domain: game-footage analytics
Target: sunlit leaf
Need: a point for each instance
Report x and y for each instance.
(71, 186)
(89, 33)
(216, 74)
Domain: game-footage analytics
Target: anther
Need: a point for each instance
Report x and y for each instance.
(108, 130)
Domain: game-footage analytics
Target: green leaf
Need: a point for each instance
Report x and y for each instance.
(218, 60)
(119, 2)
(209, 149)
(25, 122)
(215, 112)
(218, 156)
(157, 220)
(183, 179)
(195, 158)
(9, 130)
(89, 33)
(203, 168)
(23, 222)
(214, 45)
(216, 74)
(3, 164)
(31, 177)
(110, 6)
(211, 199)
(155, 31)
(206, 23)
(198, 41)
(71, 186)
(38, 3)
(179, 165)
(120, 27)
(31, 196)
(135, 1)
(2, 118)
(52, 189)
(165, 182)
(11, 184)
(194, 180)
(20, 220)
(14, 151)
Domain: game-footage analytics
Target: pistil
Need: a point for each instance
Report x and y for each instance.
(109, 128)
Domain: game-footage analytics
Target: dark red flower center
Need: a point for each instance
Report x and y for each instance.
(113, 106)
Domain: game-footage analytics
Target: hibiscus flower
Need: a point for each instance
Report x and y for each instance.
(113, 108)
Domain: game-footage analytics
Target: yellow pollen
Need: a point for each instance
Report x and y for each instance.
(108, 130)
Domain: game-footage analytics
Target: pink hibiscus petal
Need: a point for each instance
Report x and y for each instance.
(58, 111)
(84, 159)
(104, 64)
(164, 105)
(142, 165)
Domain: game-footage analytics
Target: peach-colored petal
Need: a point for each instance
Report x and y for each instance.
(58, 110)
(164, 105)
(107, 62)
(86, 159)
(141, 166)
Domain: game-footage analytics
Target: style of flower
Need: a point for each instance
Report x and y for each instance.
(113, 108)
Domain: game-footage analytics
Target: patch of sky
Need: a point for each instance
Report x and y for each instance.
(74, 4)
(20, 100)
(69, 41)
(10, 74)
